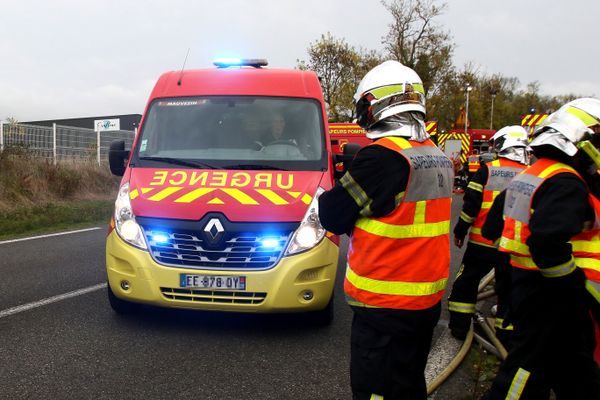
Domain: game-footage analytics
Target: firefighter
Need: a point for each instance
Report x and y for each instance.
(473, 163)
(395, 203)
(509, 144)
(548, 227)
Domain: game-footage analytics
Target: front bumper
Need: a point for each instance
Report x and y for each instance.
(279, 289)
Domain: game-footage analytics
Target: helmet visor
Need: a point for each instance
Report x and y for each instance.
(398, 99)
(379, 93)
(498, 143)
(373, 103)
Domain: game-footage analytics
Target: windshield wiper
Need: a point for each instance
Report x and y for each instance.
(254, 166)
(177, 161)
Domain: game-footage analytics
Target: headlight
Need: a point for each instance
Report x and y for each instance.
(125, 224)
(310, 232)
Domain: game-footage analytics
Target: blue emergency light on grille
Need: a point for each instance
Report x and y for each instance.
(160, 237)
(270, 243)
(237, 251)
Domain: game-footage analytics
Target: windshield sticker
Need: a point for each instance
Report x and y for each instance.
(143, 145)
(181, 103)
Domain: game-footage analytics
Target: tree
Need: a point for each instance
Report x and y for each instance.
(12, 121)
(339, 67)
(365, 61)
(417, 42)
(444, 106)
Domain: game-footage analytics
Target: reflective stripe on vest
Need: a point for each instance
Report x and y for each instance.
(586, 250)
(395, 288)
(500, 173)
(402, 260)
(518, 211)
(585, 247)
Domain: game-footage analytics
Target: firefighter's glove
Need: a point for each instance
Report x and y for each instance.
(458, 242)
(460, 231)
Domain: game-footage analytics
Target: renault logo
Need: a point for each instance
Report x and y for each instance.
(214, 230)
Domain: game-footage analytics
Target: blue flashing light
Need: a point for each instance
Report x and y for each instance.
(224, 62)
(227, 61)
(160, 237)
(270, 243)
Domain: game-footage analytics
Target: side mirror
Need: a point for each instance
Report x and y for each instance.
(117, 157)
(343, 161)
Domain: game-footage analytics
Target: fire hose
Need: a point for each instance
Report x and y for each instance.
(491, 344)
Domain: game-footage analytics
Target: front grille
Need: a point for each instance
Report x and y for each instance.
(213, 296)
(237, 251)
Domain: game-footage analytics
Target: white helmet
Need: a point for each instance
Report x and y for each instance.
(569, 125)
(388, 89)
(511, 142)
(509, 136)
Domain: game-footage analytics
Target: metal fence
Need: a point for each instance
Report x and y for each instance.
(58, 143)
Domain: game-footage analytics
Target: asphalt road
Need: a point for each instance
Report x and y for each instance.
(75, 347)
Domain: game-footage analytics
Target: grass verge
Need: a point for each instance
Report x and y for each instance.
(484, 367)
(53, 217)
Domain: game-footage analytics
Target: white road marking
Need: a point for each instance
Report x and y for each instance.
(49, 235)
(50, 300)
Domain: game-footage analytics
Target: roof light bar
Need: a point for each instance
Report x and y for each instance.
(240, 62)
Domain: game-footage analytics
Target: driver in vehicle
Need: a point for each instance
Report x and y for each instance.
(277, 130)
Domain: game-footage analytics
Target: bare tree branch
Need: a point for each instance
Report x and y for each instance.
(416, 42)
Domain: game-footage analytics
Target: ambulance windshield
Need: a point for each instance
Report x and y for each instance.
(233, 131)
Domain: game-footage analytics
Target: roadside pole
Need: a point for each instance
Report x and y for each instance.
(54, 143)
(98, 145)
(1, 136)
(103, 125)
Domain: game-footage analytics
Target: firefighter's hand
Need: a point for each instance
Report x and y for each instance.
(458, 242)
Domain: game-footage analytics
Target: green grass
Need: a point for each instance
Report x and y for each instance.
(54, 217)
(38, 196)
(484, 367)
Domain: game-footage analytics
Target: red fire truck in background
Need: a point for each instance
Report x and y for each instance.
(342, 133)
(346, 138)
(458, 145)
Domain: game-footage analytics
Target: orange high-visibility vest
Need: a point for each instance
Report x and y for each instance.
(517, 214)
(586, 250)
(474, 164)
(500, 173)
(401, 260)
(518, 211)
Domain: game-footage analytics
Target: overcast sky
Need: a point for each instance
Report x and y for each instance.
(67, 58)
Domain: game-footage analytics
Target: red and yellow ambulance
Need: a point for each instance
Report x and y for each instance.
(217, 208)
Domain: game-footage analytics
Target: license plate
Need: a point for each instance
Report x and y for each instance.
(212, 282)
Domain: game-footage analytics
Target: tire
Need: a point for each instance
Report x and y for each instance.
(118, 305)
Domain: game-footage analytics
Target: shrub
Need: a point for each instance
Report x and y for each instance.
(28, 180)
